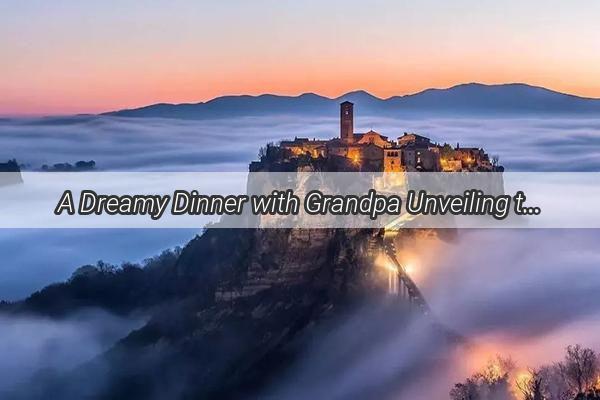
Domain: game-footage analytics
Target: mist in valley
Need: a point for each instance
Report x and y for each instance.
(521, 294)
(524, 293)
(34, 346)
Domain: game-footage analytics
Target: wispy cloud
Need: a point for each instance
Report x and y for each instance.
(31, 345)
(523, 293)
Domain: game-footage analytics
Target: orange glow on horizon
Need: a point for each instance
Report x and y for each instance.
(90, 58)
(117, 93)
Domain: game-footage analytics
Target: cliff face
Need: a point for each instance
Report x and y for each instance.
(287, 282)
(251, 298)
(321, 258)
(247, 300)
(238, 310)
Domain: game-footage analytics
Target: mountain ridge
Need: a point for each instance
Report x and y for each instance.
(463, 99)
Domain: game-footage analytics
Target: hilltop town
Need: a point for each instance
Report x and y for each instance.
(244, 304)
(372, 151)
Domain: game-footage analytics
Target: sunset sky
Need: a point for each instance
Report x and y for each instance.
(68, 56)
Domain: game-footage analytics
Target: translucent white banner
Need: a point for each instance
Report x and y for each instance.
(299, 200)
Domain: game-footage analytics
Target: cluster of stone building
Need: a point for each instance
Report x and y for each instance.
(375, 152)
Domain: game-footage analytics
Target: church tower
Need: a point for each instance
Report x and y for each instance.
(347, 122)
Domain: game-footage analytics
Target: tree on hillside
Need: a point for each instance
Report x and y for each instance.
(580, 368)
(577, 377)
(555, 383)
(468, 390)
(491, 383)
(531, 385)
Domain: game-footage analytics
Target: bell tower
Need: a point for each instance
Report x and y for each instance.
(347, 122)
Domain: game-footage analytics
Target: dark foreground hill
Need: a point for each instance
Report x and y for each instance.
(229, 316)
(463, 100)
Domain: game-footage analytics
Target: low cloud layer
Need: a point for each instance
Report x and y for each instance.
(524, 292)
(145, 144)
(568, 144)
(153, 144)
(521, 282)
(31, 345)
(520, 293)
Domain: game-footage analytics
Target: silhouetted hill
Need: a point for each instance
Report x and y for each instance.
(129, 287)
(508, 98)
(228, 106)
(467, 99)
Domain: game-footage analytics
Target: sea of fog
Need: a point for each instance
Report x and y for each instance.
(566, 144)
(32, 259)
(525, 292)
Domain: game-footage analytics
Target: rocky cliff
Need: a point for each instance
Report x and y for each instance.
(246, 299)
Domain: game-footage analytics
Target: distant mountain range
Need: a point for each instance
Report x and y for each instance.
(461, 100)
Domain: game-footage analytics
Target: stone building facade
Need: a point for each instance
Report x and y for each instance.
(374, 151)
